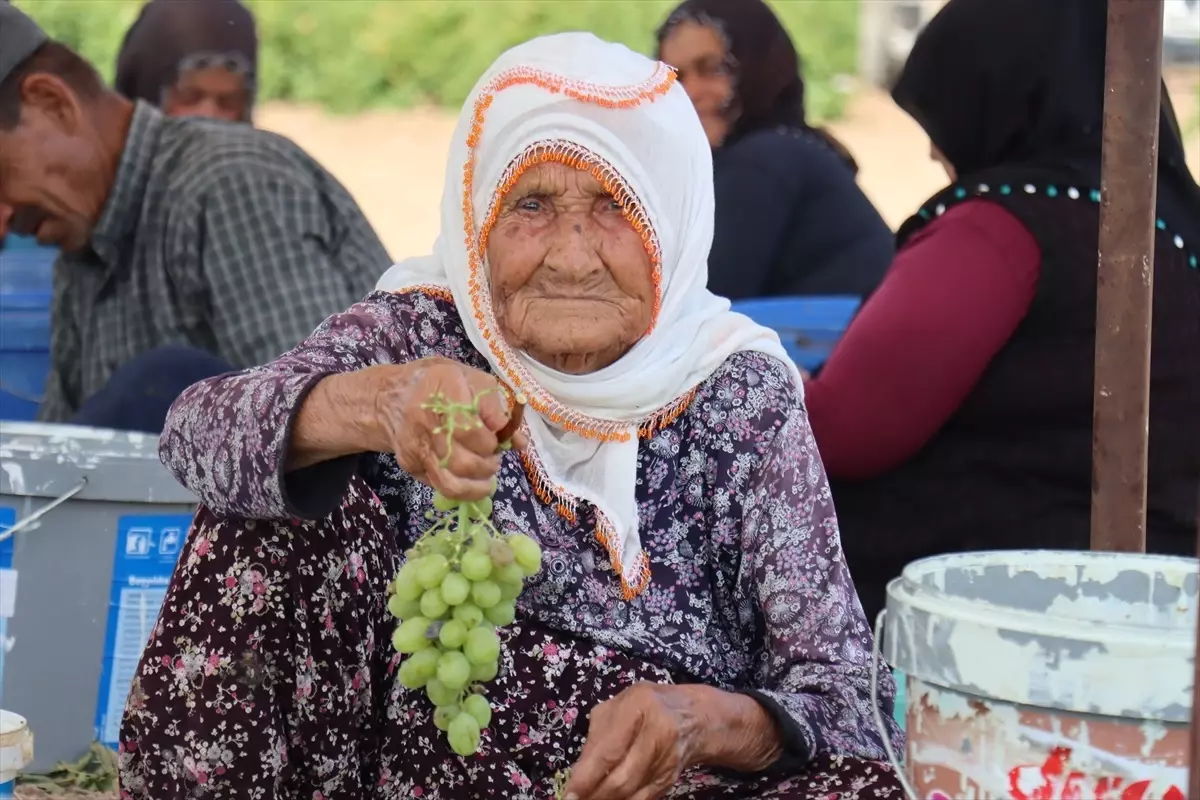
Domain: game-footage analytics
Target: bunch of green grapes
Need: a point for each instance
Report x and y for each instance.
(459, 583)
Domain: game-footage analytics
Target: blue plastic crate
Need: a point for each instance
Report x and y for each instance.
(26, 287)
(808, 326)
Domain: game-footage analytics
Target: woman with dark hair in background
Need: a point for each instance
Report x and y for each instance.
(956, 412)
(192, 58)
(790, 216)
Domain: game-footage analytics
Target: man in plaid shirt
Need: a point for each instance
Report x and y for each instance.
(214, 236)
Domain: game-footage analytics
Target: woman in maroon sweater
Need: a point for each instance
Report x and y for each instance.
(956, 412)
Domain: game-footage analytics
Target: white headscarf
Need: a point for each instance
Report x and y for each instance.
(578, 100)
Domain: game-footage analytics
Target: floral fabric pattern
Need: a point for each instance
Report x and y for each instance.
(749, 592)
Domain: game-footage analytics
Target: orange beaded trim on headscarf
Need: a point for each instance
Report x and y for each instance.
(513, 372)
(634, 211)
(562, 502)
(558, 498)
(582, 159)
(659, 83)
(565, 504)
(431, 289)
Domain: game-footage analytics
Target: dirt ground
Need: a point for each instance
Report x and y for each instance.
(394, 162)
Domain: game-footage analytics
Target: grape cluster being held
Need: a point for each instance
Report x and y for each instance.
(459, 583)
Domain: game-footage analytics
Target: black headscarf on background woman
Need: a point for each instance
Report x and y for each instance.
(169, 33)
(1021, 83)
(768, 86)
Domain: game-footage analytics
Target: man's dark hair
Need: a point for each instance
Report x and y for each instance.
(55, 59)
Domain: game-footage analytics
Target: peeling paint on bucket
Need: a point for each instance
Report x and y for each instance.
(16, 751)
(1040, 675)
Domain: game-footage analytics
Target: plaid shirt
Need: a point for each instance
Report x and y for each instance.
(217, 236)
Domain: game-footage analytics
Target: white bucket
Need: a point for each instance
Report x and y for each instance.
(16, 751)
(1046, 674)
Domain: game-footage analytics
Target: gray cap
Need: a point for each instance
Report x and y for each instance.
(19, 37)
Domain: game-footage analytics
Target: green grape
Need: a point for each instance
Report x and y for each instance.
(455, 589)
(485, 594)
(510, 573)
(526, 552)
(432, 604)
(422, 665)
(454, 671)
(482, 673)
(501, 553)
(432, 570)
(510, 591)
(463, 734)
(478, 707)
(468, 614)
(501, 614)
(476, 565)
(481, 647)
(460, 581)
(440, 694)
(482, 509)
(408, 677)
(510, 579)
(407, 587)
(444, 715)
(453, 634)
(416, 670)
(403, 609)
(410, 636)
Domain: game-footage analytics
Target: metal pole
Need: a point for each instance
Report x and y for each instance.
(1129, 184)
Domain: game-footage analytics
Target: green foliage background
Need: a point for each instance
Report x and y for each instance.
(350, 55)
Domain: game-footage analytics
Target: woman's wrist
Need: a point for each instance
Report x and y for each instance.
(736, 732)
(340, 417)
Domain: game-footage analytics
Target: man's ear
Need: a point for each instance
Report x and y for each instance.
(53, 98)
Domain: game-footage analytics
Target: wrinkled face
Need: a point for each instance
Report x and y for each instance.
(940, 157)
(698, 54)
(54, 170)
(214, 92)
(572, 282)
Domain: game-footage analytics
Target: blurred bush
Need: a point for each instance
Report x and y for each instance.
(349, 55)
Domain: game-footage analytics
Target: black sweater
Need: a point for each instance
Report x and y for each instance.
(791, 220)
(1012, 469)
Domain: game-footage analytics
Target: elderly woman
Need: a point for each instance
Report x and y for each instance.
(693, 632)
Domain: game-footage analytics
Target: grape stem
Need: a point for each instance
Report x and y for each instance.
(560, 783)
(454, 417)
(456, 523)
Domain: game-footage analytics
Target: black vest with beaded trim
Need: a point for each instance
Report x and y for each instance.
(1012, 467)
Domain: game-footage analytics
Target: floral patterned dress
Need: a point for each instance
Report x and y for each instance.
(269, 673)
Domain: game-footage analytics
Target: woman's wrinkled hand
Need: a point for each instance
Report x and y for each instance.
(637, 745)
(464, 467)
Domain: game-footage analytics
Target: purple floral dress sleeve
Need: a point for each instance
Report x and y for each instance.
(813, 670)
(226, 438)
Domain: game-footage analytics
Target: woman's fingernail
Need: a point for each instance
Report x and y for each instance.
(571, 796)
